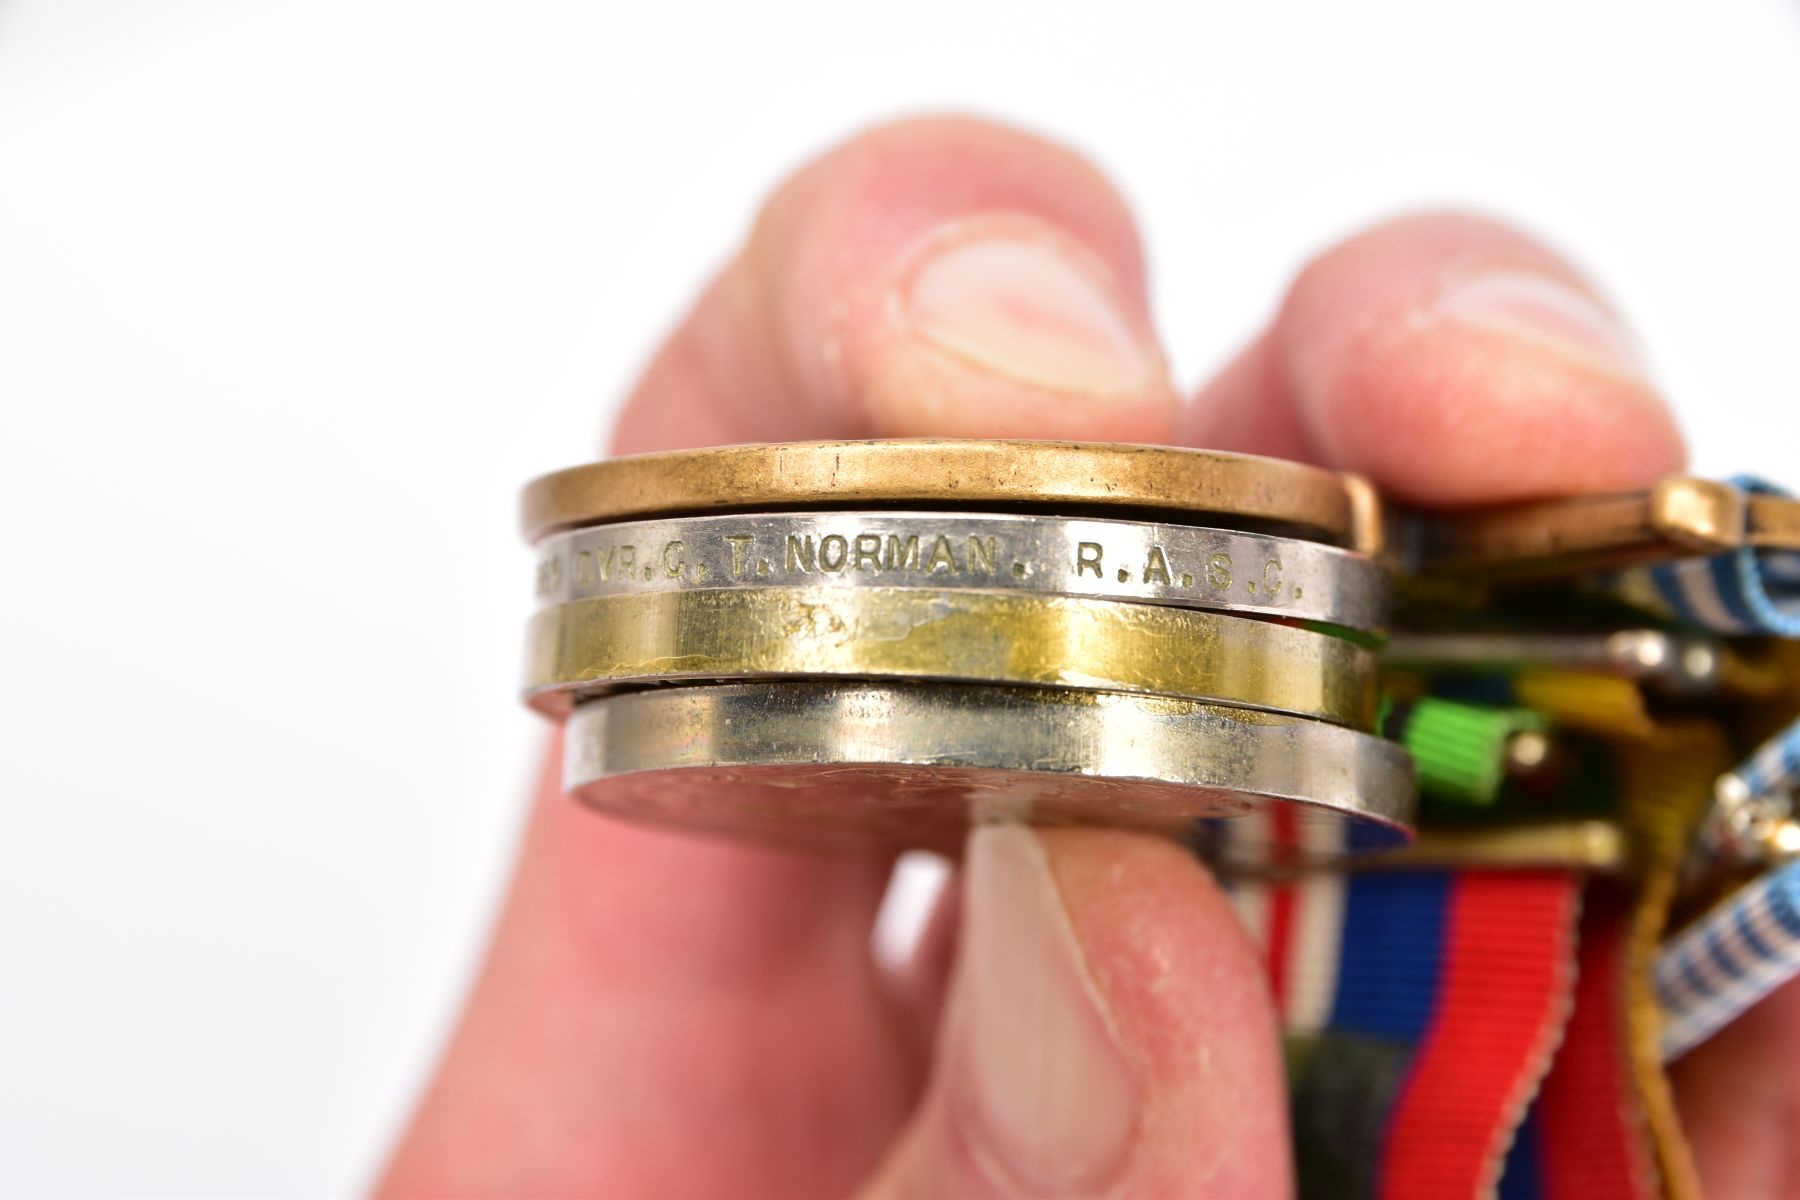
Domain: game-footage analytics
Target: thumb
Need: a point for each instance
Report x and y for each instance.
(1107, 1030)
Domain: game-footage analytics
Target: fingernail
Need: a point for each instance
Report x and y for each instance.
(1548, 310)
(1051, 1099)
(1031, 304)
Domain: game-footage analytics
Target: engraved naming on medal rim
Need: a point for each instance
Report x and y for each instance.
(925, 554)
(1129, 560)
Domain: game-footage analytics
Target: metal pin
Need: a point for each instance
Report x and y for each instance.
(1679, 517)
(1753, 810)
(1668, 661)
(1586, 846)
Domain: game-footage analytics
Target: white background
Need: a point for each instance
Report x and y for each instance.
(294, 296)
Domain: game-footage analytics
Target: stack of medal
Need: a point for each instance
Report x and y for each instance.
(890, 640)
(887, 640)
(1596, 889)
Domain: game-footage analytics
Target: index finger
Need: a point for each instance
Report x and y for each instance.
(661, 1013)
(1453, 360)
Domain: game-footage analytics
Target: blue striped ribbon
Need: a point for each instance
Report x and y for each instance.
(1775, 767)
(1742, 591)
(1717, 968)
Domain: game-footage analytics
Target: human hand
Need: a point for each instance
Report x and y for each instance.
(664, 1015)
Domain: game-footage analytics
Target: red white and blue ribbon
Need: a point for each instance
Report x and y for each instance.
(1422, 1008)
